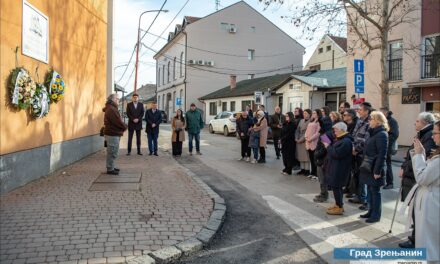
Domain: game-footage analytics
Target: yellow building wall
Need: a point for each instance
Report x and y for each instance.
(78, 44)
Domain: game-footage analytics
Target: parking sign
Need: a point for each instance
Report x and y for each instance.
(359, 77)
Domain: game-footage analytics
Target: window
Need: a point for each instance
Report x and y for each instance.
(224, 106)
(174, 68)
(342, 97)
(174, 101)
(181, 97)
(181, 63)
(331, 100)
(158, 77)
(395, 61)
(158, 102)
(280, 102)
(329, 48)
(253, 29)
(163, 102)
(224, 26)
(225, 115)
(315, 67)
(320, 50)
(251, 76)
(163, 74)
(431, 57)
(212, 109)
(232, 108)
(251, 54)
(168, 72)
(246, 103)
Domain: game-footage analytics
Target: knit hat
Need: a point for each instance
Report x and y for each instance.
(341, 126)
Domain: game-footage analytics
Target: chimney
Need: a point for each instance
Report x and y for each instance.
(233, 81)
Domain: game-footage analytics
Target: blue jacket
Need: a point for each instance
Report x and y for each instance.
(153, 118)
(337, 165)
(376, 147)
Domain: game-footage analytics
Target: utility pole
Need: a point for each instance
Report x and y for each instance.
(217, 4)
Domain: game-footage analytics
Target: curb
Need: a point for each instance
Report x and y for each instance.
(194, 244)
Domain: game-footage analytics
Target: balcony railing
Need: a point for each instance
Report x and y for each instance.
(395, 69)
(431, 66)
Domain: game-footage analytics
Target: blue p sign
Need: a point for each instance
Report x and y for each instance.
(358, 79)
(358, 66)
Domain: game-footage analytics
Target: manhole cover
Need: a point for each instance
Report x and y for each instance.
(121, 182)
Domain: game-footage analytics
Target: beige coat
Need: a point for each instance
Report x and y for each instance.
(301, 152)
(176, 123)
(263, 132)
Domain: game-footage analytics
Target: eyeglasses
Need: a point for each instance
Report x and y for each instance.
(346, 114)
(436, 133)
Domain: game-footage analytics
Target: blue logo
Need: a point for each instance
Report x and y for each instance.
(380, 253)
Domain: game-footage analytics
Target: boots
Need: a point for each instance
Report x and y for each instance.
(335, 210)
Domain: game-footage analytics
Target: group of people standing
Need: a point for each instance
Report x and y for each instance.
(114, 128)
(349, 151)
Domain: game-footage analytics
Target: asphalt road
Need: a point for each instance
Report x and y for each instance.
(258, 195)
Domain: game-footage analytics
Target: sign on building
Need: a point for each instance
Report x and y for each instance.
(411, 95)
(359, 78)
(35, 33)
(258, 97)
(178, 101)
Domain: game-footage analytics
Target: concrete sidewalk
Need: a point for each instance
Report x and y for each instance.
(81, 216)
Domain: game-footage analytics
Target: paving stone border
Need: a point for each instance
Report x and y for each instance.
(192, 245)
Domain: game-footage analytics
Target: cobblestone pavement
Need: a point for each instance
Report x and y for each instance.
(57, 219)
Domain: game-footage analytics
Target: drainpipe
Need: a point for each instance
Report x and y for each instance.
(186, 55)
(333, 58)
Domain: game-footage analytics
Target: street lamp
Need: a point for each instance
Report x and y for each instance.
(138, 43)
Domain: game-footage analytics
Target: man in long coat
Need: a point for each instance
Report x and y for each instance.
(135, 112)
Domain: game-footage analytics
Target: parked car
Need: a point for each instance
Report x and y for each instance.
(164, 116)
(224, 123)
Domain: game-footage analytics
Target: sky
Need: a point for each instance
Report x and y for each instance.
(126, 19)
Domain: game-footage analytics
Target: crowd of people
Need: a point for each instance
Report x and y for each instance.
(349, 152)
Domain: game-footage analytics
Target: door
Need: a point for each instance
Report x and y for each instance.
(294, 102)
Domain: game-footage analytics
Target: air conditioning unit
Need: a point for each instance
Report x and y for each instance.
(232, 30)
(219, 102)
(200, 62)
(209, 63)
(191, 62)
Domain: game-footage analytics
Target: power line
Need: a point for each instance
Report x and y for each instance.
(134, 49)
(225, 54)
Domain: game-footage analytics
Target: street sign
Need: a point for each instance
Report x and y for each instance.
(359, 66)
(178, 101)
(359, 78)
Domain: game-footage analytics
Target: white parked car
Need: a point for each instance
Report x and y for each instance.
(224, 122)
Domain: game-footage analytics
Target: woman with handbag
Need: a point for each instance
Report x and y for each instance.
(372, 169)
(178, 136)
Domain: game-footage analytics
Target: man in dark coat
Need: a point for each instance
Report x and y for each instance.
(276, 122)
(135, 112)
(113, 130)
(244, 123)
(153, 117)
(424, 126)
(393, 134)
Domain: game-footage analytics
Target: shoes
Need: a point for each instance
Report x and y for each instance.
(113, 172)
(407, 244)
(320, 199)
(372, 220)
(248, 159)
(254, 161)
(335, 210)
(349, 195)
(388, 186)
(240, 159)
(284, 173)
(155, 154)
(151, 153)
(199, 153)
(116, 169)
(346, 190)
(128, 154)
(364, 207)
(355, 200)
(301, 172)
(261, 161)
(190, 153)
(332, 206)
(297, 168)
(314, 178)
(278, 157)
(140, 153)
(367, 215)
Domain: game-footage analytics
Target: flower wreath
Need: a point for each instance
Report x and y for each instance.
(22, 88)
(41, 103)
(56, 86)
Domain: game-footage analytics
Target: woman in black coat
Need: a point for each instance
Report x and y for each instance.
(244, 123)
(375, 150)
(288, 143)
(337, 166)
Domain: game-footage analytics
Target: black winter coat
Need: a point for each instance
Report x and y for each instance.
(287, 135)
(408, 180)
(320, 153)
(274, 121)
(376, 148)
(243, 125)
(326, 124)
(337, 165)
(393, 134)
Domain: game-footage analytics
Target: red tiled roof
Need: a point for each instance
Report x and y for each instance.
(191, 19)
(342, 42)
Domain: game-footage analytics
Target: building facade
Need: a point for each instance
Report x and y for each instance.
(331, 53)
(78, 48)
(413, 68)
(203, 54)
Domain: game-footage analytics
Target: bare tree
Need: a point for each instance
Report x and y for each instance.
(371, 21)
